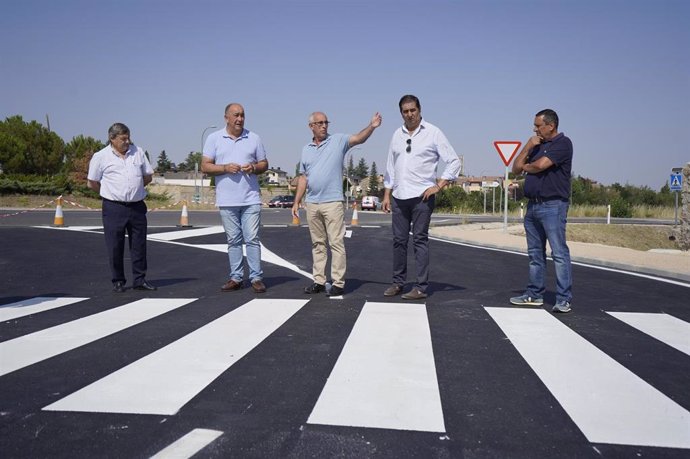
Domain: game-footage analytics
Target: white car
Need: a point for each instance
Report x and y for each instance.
(371, 203)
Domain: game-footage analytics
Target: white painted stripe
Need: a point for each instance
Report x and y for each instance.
(29, 349)
(608, 402)
(385, 376)
(188, 445)
(275, 226)
(34, 306)
(348, 233)
(175, 235)
(587, 265)
(666, 328)
(370, 226)
(266, 255)
(164, 381)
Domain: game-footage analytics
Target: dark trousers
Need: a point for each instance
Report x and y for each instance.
(416, 213)
(120, 218)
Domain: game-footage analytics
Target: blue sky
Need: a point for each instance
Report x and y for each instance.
(617, 72)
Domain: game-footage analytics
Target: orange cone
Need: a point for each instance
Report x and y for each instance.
(59, 220)
(295, 220)
(184, 218)
(355, 219)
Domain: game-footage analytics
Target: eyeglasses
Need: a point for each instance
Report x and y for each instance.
(409, 145)
(321, 123)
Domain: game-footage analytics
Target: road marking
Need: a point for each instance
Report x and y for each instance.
(175, 235)
(666, 328)
(164, 381)
(34, 306)
(35, 347)
(385, 376)
(578, 263)
(188, 445)
(608, 402)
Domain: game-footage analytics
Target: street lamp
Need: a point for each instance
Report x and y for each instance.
(201, 193)
(347, 175)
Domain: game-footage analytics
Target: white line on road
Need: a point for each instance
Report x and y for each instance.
(608, 402)
(164, 381)
(29, 349)
(34, 306)
(385, 376)
(182, 234)
(188, 445)
(666, 328)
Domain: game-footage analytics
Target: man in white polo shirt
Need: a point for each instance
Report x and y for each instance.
(119, 173)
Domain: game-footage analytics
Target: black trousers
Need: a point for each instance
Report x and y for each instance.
(120, 218)
(416, 213)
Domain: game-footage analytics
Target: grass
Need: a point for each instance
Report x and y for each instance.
(637, 237)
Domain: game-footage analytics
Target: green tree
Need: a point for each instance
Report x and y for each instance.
(362, 170)
(78, 153)
(163, 164)
(351, 167)
(373, 189)
(29, 148)
(193, 158)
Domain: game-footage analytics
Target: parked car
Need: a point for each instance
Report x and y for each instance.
(371, 203)
(283, 201)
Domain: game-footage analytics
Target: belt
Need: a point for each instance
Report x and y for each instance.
(541, 200)
(123, 203)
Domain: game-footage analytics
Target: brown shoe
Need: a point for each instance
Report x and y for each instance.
(414, 294)
(231, 285)
(393, 290)
(258, 286)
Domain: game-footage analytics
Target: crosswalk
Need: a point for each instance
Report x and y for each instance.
(385, 375)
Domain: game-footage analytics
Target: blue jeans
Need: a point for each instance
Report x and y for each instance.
(546, 221)
(241, 224)
(418, 213)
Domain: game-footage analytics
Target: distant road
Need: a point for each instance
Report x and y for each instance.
(19, 217)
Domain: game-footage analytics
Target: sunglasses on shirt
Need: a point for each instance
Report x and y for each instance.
(409, 145)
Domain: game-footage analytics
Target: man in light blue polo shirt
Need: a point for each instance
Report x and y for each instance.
(235, 156)
(321, 169)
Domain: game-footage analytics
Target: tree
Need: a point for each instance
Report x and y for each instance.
(29, 148)
(373, 181)
(362, 170)
(189, 164)
(351, 167)
(78, 153)
(163, 164)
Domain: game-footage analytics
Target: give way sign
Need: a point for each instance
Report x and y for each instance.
(507, 149)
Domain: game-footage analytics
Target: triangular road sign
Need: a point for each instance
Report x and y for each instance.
(507, 149)
(675, 181)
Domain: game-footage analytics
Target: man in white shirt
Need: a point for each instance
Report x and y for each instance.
(119, 173)
(413, 156)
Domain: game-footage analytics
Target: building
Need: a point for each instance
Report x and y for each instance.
(276, 177)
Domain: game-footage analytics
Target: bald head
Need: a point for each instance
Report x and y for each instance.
(234, 119)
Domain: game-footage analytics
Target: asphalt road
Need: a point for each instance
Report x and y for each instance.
(191, 369)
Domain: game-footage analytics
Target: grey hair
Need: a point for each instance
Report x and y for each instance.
(311, 117)
(117, 129)
(550, 117)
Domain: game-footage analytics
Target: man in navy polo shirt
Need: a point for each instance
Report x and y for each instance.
(546, 161)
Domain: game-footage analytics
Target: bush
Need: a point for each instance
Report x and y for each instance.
(620, 208)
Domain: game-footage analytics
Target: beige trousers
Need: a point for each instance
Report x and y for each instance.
(327, 225)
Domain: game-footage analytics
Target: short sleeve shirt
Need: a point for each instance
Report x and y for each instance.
(323, 166)
(238, 189)
(121, 179)
(554, 182)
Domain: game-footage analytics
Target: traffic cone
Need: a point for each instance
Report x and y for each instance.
(184, 218)
(355, 219)
(59, 220)
(295, 220)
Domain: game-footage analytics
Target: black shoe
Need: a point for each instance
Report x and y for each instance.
(335, 291)
(145, 286)
(314, 288)
(118, 287)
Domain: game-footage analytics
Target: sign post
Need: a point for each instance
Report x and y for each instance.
(506, 150)
(676, 184)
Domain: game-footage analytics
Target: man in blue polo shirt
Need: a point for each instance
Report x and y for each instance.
(546, 160)
(235, 156)
(321, 169)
